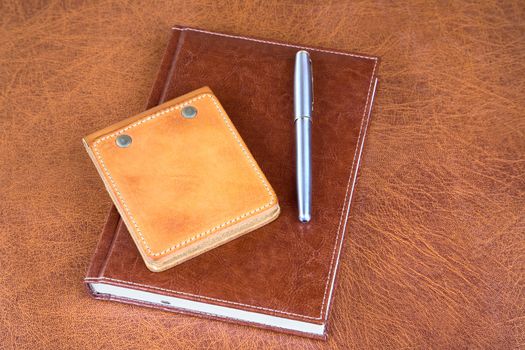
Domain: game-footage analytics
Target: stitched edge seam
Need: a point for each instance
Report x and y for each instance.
(346, 194)
(193, 295)
(276, 43)
(201, 234)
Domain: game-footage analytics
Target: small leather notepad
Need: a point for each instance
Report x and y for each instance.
(182, 179)
(283, 275)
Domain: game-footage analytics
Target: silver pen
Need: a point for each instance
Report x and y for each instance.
(303, 107)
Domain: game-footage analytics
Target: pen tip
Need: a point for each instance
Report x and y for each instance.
(304, 217)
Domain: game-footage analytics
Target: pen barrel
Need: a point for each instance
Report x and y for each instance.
(303, 133)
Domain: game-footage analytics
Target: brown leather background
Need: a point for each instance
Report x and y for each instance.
(435, 253)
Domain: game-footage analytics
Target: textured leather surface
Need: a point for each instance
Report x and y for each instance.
(435, 251)
(181, 185)
(287, 268)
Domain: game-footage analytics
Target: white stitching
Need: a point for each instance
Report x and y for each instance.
(346, 194)
(198, 296)
(277, 43)
(201, 234)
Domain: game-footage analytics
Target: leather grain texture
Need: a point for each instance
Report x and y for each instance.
(435, 253)
(182, 184)
(287, 268)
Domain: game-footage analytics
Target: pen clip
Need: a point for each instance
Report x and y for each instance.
(312, 83)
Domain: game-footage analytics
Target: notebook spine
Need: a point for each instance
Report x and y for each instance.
(103, 246)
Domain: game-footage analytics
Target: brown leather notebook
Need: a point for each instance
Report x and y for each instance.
(281, 276)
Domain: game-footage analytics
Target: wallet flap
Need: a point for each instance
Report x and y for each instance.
(178, 178)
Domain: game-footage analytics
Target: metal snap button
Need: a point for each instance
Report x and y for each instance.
(189, 112)
(123, 141)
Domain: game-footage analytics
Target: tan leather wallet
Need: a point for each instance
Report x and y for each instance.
(182, 179)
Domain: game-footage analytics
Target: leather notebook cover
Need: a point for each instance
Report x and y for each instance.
(282, 275)
(183, 185)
